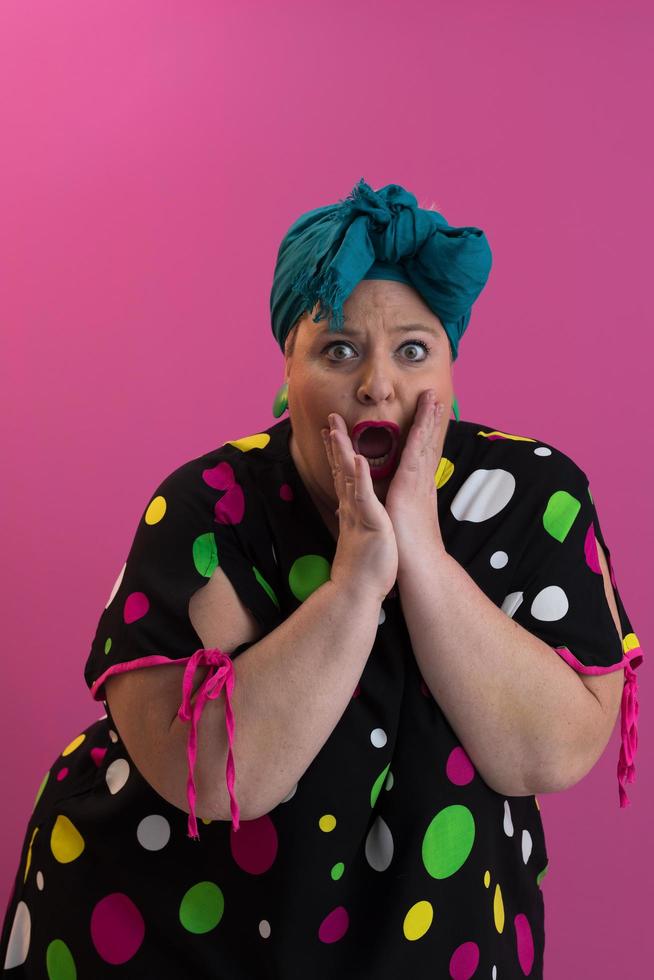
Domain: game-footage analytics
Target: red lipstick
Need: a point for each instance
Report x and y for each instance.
(384, 461)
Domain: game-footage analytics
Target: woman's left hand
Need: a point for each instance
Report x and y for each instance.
(411, 499)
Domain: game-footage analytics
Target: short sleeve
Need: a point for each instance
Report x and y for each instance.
(558, 594)
(200, 517)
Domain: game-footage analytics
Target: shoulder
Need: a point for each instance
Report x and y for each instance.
(223, 486)
(526, 457)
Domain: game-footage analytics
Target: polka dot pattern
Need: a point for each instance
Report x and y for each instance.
(390, 839)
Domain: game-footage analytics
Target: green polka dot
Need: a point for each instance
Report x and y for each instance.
(41, 788)
(541, 874)
(202, 907)
(107, 644)
(448, 841)
(59, 961)
(560, 514)
(264, 585)
(307, 574)
(337, 871)
(205, 554)
(379, 782)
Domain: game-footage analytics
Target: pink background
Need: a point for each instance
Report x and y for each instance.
(154, 156)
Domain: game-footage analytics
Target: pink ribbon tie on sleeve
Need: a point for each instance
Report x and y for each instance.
(629, 730)
(210, 689)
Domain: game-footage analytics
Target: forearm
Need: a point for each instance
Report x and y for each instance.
(521, 714)
(290, 690)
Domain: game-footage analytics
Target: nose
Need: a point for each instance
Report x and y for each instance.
(376, 383)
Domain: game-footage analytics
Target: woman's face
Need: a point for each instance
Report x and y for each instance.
(373, 370)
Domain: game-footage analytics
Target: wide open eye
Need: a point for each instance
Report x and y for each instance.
(407, 343)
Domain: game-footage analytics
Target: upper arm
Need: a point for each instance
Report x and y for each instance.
(144, 701)
(607, 688)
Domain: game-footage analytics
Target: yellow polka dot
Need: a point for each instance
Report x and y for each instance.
(630, 642)
(418, 920)
(327, 822)
(487, 879)
(156, 510)
(444, 472)
(505, 435)
(75, 744)
(29, 854)
(66, 842)
(205, 821)
(498, 909)
(258, 441)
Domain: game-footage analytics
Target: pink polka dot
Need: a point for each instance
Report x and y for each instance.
(231, 506)
(459, 768)
(590, 550)
(464, 961)
(254, 847)
(62, 773)
(286, 491)
(524, 942)
(98, 755)
(220, 477)
(117, 928)
(334, 926)
(136, 606)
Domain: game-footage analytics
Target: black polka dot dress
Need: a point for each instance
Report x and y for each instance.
(390, 856)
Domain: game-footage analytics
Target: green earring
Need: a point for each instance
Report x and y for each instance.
(280, 403)
(455, 408)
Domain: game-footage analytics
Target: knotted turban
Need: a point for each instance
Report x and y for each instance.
(377, 235)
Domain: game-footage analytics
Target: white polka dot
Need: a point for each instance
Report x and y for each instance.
(512, 602)
(542, 451)
(499, 559)
(112, 735)
(153, 832)
(264, 929)
(508, 822)
(379, 845)
(378, 738)
(39, 880)
(526, 845)
(483, 495)
(290, 795)
(550, 604)
(382, 616)
(117, 584)
(389, 780)
(494, 974)
(117, 775)
(19, 940)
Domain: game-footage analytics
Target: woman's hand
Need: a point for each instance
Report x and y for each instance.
(411, 500)
(366, 551)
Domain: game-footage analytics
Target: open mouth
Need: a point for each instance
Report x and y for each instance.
(378, 442)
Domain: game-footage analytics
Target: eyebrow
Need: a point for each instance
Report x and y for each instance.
(403, 328)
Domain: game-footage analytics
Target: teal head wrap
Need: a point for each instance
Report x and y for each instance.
(377, 235)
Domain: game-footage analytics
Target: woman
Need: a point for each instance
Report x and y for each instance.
(378, 609)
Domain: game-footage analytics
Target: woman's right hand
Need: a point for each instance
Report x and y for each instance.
(366, 551)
